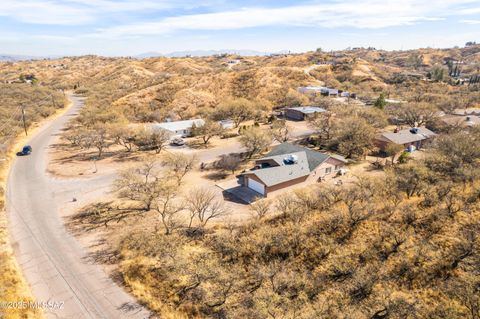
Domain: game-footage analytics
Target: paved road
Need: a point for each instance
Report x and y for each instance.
(53, 262)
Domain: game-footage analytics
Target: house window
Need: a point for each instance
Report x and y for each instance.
(328, 170)
(337, 167)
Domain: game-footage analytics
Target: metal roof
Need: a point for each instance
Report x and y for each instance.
(312, 88)
(308, 109)
(179, 125)
(406, 136)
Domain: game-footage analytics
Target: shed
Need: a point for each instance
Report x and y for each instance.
(302, 112)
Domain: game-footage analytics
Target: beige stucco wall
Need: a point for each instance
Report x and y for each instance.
(320, 171)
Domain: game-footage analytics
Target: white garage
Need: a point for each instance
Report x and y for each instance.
(256, 186)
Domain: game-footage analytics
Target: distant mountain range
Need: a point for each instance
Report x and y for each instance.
(202, 53)
(177, 54)
(13, 58)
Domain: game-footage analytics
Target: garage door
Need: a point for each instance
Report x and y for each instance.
(256, 186)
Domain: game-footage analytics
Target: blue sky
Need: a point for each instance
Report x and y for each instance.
(131, 27)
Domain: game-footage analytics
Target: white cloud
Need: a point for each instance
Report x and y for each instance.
(133, 5)
(470, 21)
(43, 12)
(79, 12)
(366, 14)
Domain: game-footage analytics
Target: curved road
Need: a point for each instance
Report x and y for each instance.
(53, 262)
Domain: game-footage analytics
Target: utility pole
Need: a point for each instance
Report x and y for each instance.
(23, 119)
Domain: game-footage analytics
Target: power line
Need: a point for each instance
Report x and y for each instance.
(11, 117)
(23, 120)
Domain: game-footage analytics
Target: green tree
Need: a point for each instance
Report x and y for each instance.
(437, 73)
(380, 102)
(415, 60)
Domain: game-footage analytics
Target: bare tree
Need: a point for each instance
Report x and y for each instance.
(261, 208)
(155, 140)
(140, 184)
(229, 163)
(76, 136)
(416, 114)
(97, 138)
(167, 206)
(238, 110)
(123, 136)
(323, 124)
(204, 204)
(354, 137)
(255, 140)
(179, 165)
(280, 131)
(207, 131)
(155, 191)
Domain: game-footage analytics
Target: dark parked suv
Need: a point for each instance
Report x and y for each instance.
(26, 150)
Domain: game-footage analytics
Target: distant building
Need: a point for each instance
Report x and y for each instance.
(180, 128)
(287, 165)
(302, 112)
(311, 89)
(318, 89)
(226, 124)
(412, 138)
(329, 92)
(347, 94)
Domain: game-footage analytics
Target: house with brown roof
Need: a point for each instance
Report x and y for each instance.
(287, 165)
(411, 138)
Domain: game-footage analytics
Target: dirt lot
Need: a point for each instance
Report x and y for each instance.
(95, 177)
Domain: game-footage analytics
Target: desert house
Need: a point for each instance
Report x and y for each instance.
(329, 92)
(179, 128)
(310, 89)
(301, 113)
(411, 138)
(227, 124)
(324, 91)
(288, 164)
(347, 94)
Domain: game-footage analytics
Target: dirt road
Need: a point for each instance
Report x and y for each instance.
(54, 263)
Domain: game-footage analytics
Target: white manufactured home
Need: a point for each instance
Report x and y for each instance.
(180, 128)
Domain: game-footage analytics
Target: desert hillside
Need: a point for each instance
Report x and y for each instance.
(157, 88)
(396, 237)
